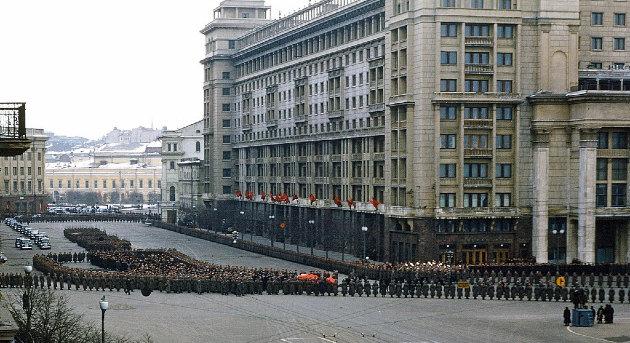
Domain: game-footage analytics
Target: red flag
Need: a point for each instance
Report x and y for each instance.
(262, 196)
(350, 202)
(375, 202)
(312, 198)
(238, 194)
(285, 198)
(337, 201)
(249, 195)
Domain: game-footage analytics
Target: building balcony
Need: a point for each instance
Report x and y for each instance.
(476, 212)
(375, 108)
(477, 182)
(378, 181)
(335, 180)
(478, 123)
(272, 122)
(357, 156)
(247, 127)
(479, 69)
(335, 158)
(378, 156)
(302, 158)
(335, 114)
(335, 91)
(472, 97)
(478, 152)
(320, 180)
(318, 158)
(479, 41)
(299, 119)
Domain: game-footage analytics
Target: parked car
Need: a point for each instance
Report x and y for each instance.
(33, 233)
(26, 244)
(44, 243)
(18, 242)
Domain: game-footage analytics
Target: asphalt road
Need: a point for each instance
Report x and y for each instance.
(306, 319)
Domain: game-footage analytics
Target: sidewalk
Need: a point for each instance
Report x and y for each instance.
(333, 255)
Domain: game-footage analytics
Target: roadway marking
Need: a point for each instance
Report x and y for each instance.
(587, 336)
(289, 340)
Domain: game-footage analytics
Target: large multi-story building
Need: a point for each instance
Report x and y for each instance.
(487, 130)
(182, 153)
(23, 189)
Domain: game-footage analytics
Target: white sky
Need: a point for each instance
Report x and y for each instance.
(85, 66)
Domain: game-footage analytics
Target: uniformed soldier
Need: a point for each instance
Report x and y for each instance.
(375, 288)
(432, 290)
(438, 290)
(593, 295)
(406, 289)
(499, 292)
(398, 289)
(602, 294)
(459, 293)
(491, 292)
(351, 288)
(383, 288)
(622, 295)
(611, 295)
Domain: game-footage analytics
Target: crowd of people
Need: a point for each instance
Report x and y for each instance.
(93, 239)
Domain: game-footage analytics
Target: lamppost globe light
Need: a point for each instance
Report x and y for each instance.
(242, 212)
(104, 304)
(554, 231)
(28, 269)
(364, 229)
(561, 231)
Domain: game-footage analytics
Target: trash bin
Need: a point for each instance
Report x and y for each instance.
(582, 317)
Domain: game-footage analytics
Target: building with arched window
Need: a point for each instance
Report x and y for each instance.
(179, 145)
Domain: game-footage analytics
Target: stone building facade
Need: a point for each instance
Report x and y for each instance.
(466, 120)
(181, 150)
(22, 187)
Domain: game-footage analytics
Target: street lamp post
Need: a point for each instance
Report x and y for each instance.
(312, 224)
(26, 302)
(364, 229)
(104, 304)
(216, 219)
(557, 234)
(272, 229)
(242, 221)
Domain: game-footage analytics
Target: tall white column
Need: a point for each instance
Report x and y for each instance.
(540, 215)
(571, 240)
(586, 196)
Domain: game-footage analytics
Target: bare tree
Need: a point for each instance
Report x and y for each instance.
(52, 321)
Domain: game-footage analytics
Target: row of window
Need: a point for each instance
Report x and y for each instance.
(104, 184)
(612, 140)
(24, 187)
(29, 171)
(618, 43)
(375, 121)
(476, 86)
(476, 170)
(324, 41)
(478, 4)
(618, 194)
(597, 19)
(27, 155)
(449, 112)
(471, 200)
(475, 141)
(451, 30)
(474, 225)
(503, 59)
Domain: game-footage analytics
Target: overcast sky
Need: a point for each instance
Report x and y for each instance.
(85, 66)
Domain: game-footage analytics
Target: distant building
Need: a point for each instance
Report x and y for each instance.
(136, 135)
(182, 151)
(114, 176)
(22, 187)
